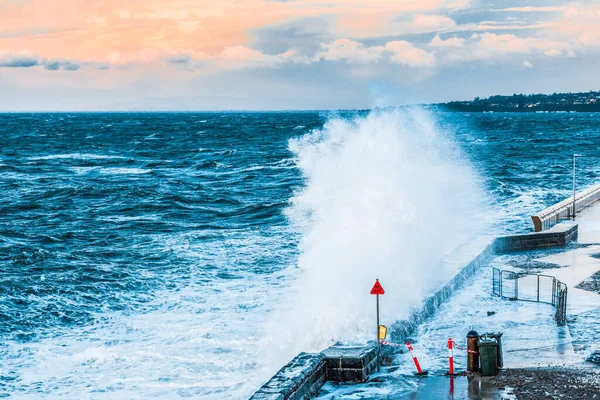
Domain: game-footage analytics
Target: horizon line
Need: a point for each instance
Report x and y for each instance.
(219, 110)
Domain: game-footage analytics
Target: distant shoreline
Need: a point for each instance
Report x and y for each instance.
(556, 102)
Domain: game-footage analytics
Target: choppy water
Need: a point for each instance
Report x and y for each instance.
(145, 255)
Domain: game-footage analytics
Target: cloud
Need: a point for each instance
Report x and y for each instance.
(456, 4)
(579, 25)
(53, 65)
(404, 53)
(18, 60)
(422, 22)
(493, 47)
(245, 57)
(529, 9)
(397, 52)
(350, 51)
(527, 64)
(234, 57)
(70, 66)
(27, 60)
(450, 42)
(85, 30)
(263, 38)
(191, 35)
(179, 59)
(491, 43)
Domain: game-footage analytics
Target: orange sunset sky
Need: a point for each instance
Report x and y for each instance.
(303, 54)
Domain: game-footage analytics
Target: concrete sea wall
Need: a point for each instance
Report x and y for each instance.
(301, 378)
(305, 375)
(558, 236)
(564, 210)
(401, 330)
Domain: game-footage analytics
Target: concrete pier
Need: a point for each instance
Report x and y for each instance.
(538, 340)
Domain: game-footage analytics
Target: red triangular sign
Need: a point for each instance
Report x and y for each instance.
(377, 288)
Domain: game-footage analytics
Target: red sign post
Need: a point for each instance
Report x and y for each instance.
(377, 290)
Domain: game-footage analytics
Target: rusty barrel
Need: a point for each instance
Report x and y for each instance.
(472, 351)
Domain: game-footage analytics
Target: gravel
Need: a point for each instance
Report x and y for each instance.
(550, 383)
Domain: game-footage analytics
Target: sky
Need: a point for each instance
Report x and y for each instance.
(81, 55)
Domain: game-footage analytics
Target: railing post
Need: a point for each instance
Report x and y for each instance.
(565, 308)
(538, 291)
(501, 283)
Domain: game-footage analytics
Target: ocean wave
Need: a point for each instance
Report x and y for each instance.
(124, 171)
(76, 156)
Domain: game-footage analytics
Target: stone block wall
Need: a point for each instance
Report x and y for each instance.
(558, 236)
(350, 363)
(301, 379)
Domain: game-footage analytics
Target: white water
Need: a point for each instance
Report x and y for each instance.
(387, 196)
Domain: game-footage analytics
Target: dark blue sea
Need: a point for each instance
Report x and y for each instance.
(168, 255)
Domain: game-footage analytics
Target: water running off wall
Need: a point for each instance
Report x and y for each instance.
(386, 196)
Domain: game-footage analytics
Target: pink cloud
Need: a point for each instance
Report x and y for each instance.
(350, 51)
(100, 30)
(422, 22)
(497, 48)
(450, 42)
(398, 52)
(217, 35)
(405, 53)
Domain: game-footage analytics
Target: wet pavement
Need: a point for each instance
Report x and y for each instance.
(421, 388)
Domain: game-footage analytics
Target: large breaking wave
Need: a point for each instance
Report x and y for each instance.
(386, 196)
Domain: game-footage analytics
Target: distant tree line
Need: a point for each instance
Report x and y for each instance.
(578, 102)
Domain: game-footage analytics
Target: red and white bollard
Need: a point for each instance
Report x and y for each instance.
(419, 370)
(450, 356)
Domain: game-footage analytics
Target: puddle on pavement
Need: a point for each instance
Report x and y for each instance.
(404, 387)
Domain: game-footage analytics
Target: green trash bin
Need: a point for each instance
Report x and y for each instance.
(488, 353)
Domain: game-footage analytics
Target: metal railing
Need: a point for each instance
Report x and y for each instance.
(532, 287)
(552, 215)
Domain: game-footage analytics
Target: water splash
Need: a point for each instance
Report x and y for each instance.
(386, 196)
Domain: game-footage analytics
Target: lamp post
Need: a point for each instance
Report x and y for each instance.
(574, 182)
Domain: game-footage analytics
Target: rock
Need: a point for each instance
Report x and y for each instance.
(491, 313)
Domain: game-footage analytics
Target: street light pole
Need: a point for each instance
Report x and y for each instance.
(574, 183)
